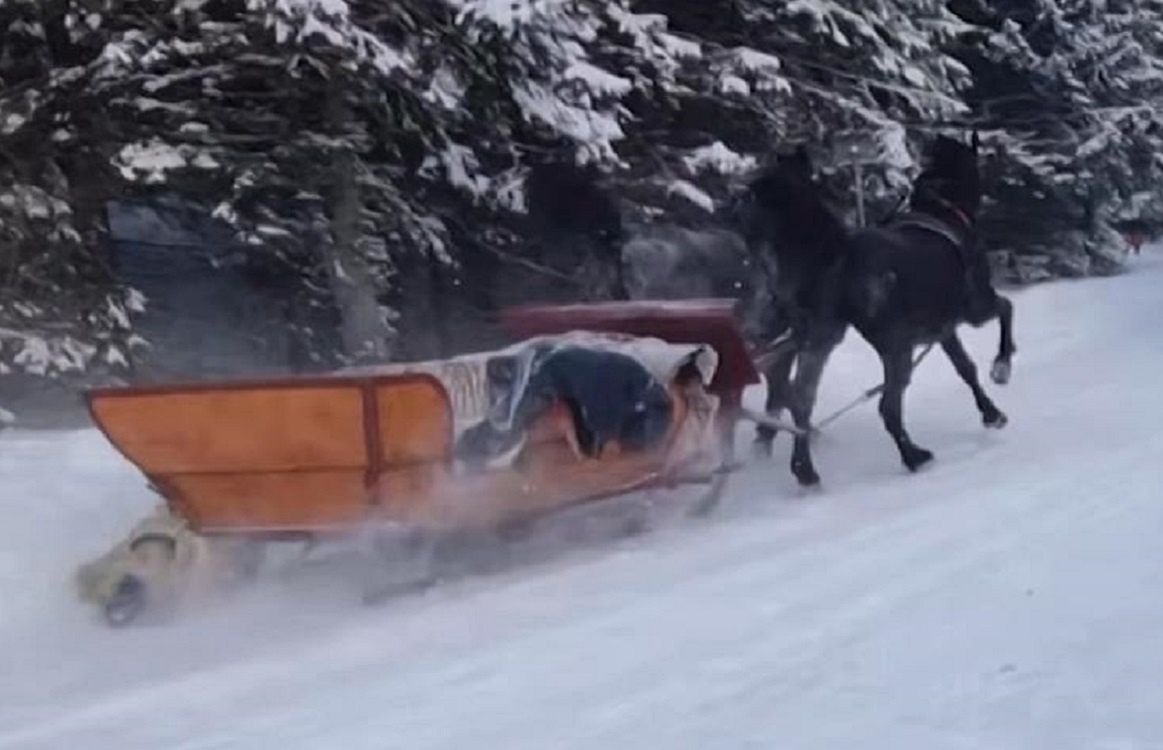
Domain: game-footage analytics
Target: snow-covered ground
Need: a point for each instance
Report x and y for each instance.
(1007, 597)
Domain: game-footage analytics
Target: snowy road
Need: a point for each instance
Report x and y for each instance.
(1008, 597)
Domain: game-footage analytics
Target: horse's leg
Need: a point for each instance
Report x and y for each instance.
(990, 414)
(809, 369)
(777, 376)
(898, 370)
(1002, 365)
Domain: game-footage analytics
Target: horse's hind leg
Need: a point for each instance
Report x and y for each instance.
(898, 370)
(1002, 364)
(990, 414)
(777, 376)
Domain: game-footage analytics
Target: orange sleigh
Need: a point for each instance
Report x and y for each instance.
(318, 455)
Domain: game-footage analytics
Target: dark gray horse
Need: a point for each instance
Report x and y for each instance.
(908, 283)
(672, 262)
(578, 219)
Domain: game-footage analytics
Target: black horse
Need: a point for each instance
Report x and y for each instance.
(909, 282)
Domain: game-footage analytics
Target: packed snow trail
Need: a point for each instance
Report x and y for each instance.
(1007, 597)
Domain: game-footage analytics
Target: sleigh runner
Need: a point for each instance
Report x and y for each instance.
(595, 402)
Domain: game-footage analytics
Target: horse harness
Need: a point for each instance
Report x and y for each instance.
(961, 235)
(927, 223)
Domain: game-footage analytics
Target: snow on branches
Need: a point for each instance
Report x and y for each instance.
(340, 140)
(328, 23)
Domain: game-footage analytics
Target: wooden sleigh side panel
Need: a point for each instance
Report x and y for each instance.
(325, 455)
(281, 455)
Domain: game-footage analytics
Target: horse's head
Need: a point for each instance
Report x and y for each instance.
(771, 208)
(951, 181)
(791, 235)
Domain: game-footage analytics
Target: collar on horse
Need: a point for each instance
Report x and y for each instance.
(956, 211)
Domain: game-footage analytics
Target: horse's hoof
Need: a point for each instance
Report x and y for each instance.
(1000, 372)
(916, 458)
(995, 420)
(809, 481)
(805, 474)
(762, 448)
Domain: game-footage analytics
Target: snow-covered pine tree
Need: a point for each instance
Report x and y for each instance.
(569, 111)
(720, 84)
(60, 312)
(866, 79)
(1069, 91)
(332, 136)
(261, 111)
(357, 144)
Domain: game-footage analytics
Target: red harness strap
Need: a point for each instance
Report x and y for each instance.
(957, 212)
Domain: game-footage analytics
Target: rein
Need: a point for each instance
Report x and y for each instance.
(775, 423)
(868, 395)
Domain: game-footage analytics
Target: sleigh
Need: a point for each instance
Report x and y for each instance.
(378, 447)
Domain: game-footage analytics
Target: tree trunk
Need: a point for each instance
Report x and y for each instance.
(363, 330)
